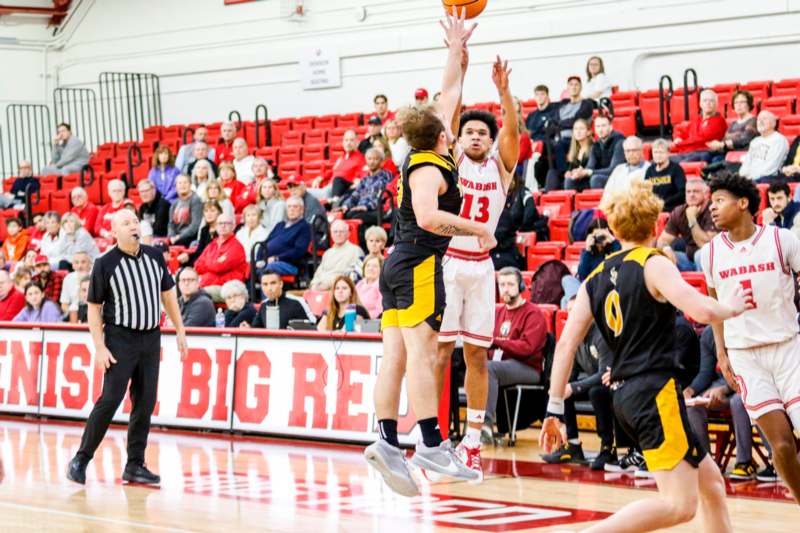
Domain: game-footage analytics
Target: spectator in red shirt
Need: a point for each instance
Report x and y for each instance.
(224, 149)
(222, 260)
(249, 194)
(348, 170)
(11, 300)
(382, 144)
(227, 178)
(694, 142)
(102, 226)
(382, 108)
(520, 333)
(84, 209)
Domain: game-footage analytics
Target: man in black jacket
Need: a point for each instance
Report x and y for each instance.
(154, 209)
(606, 153)
(289, 307)
(519, 214)
(197, 308)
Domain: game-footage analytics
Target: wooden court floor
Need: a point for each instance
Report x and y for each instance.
(213, 483)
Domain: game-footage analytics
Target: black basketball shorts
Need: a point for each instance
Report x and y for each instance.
(412, 288)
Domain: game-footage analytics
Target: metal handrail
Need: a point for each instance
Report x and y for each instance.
(664, 118)
(687, 91)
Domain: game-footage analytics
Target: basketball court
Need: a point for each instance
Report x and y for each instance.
(212, 482)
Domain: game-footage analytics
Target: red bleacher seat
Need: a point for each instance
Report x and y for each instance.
(549, 311)
(292, 138)
(175, 131)
(625, 99)
(335, 151)
(565, 199)
(573, 251)
(317, 300)
(762, 189)
(780, 106)
(542, 252)
(693, 167)
(677, 109)
(48, 184)
(326, 122)
(559, 228)
(291, 154)
(286, 169)
(269, 153)
(626, 123)
(661, 222)
(8, 182)
(59, 201)
(524, 241)
(724, 94)
(528, 107)
(648, 105)
(278, 128)
(106, 151)
(759, 89)
(735, 157)
(303, 123)
(353, 224)
(314, 152)
(313, 169)
(316, 137)
(696, 280)
(561, 321)
(588, 199)
(151, 134)
(788, 87)
(335, 136)
(789, 125)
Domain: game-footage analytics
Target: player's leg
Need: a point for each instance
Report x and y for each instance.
(451, 317)
(713, 508)
(778, 430)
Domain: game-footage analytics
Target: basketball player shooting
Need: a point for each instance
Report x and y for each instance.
(632, 297)
(759, 351)
(485, 176)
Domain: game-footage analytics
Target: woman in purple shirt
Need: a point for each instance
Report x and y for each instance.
(37, 307)
(164, 173)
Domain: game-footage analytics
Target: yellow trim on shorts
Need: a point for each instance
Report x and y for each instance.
(389, 319)
(424, 302)
(676, 443)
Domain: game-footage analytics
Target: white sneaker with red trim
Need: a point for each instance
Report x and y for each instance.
(472, 458)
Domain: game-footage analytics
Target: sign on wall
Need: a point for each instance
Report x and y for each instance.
(319, 69)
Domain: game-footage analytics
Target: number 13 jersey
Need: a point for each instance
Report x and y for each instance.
(484, 197)
(764, 263)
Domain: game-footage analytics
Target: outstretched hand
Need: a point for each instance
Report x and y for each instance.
(551, 437)
(500, 74)
(456, 34)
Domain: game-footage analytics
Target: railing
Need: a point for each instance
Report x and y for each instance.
(254, 270)
(31, 190)
(133, 149)
(30, 135)
(267, 133)
(664, 118)
(238, 120)
(687, 90)
(78, 108)
(87, 169)
(129, 102)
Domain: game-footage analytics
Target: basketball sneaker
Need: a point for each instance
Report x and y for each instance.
(443, 459)
(568, 453)
(606, 456)
(629, 463)
(743, 472)
(391, 463)
(768, 475)
(471, 456)
(643, 472)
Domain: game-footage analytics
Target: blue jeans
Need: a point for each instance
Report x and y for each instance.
(684, 263)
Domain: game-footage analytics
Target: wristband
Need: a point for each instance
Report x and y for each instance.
(555, 408)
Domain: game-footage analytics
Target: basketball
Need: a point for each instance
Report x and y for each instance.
(473, 7)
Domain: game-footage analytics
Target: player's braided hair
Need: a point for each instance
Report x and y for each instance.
(739, 186)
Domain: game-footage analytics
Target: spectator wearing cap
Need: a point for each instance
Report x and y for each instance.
(224, 149)
(287, 244)
(85, 209)
(222, 260)
(311, 204)
(382, 112)
(421, 96)
(243, 161)
(163, 173)
(374, 131)
(155, 208)
(46, 278)
(102, 226)
(16, 197)
(343, 258)
(570, 109)
(16, 242)
(12, 300)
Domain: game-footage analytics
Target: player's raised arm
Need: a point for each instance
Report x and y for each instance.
(455, 122)
(508, 138)
(662, 275)
(456, 37)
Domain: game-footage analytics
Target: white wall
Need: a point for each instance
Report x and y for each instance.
(213, 58)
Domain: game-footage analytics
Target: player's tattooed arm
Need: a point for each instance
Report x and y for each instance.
(449, 230)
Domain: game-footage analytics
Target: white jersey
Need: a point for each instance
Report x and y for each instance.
(484, 198)
(764, 263)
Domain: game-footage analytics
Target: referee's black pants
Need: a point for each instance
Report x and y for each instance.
(137, 354)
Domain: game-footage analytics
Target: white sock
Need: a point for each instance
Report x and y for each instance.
(473, 436)
(574, 442)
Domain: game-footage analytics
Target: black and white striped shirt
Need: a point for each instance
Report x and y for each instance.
(129, 287)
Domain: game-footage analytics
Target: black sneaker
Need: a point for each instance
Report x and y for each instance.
(743, 472)
(76, 471)
(569, 453)
(606, 456)
(630, 463)
(768, 475)
(140, 474)
(643, 472)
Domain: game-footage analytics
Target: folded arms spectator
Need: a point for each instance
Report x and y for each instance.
(163, 173)
(287, 244)
(222, 260)
(343, 258)
(17, 196)
(767, 152)
(69, 153)
(154, 209)
(607, 152)
(692, 142)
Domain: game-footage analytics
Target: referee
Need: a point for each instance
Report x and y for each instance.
(128, 284)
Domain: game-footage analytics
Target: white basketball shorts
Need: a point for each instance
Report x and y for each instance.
(469, 287)
(769, 378)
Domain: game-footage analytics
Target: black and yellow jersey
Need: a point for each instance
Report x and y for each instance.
(408, 231)
(639, 329)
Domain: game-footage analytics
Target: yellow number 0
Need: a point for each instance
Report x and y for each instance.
(614, 313)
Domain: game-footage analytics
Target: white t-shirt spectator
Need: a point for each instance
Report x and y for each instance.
(599, 83)
(70, 288)
(622, 176)
(249, 239)
(244, 169)
(765, 156)
(400, 150)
